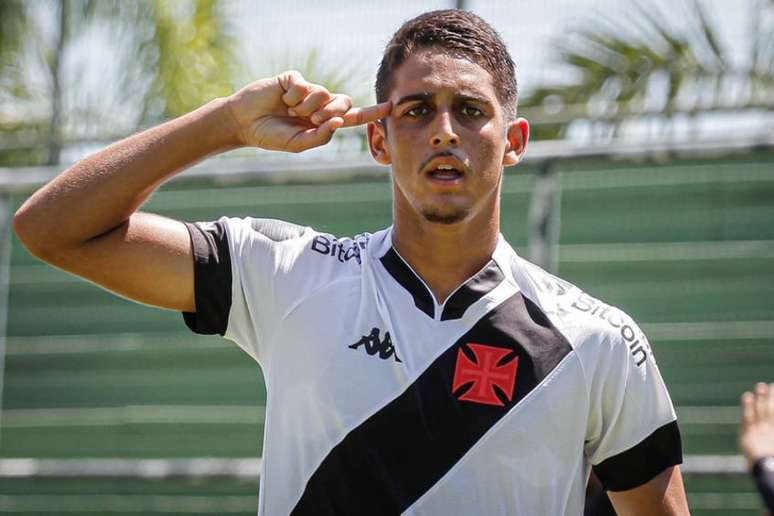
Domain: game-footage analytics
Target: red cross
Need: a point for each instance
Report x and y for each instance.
(485, 374)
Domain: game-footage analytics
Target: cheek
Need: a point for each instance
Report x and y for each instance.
(489, 149)
(405, 134)
(403, 146)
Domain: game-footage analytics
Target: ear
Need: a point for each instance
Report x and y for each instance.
(517, 135)
(377, 142)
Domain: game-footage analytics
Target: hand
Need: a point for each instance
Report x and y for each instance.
(756, 437)
(287, 113)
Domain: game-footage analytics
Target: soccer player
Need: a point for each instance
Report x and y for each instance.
(422, 369)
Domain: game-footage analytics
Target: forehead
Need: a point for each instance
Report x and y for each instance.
(437, 72)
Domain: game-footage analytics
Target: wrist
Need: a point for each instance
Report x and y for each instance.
(236, 130)
(223, 131)
(763, 465)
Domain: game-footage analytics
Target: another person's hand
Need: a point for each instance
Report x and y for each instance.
(756, 437)
(287, 113)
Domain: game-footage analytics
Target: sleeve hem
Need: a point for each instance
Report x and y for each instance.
(212, 279)
(641, 463)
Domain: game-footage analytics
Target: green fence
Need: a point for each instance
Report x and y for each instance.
(684, 246)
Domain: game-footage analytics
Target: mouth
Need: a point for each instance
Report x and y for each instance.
(445, 171)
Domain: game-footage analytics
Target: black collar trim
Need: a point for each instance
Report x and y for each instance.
(454, 308)
(474, 289)
(403, 274)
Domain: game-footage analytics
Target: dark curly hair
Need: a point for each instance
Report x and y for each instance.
(460, 33)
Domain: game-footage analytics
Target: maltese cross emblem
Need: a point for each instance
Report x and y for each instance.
(485, 374)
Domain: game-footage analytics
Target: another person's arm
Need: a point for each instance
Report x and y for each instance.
(756, 439)
(85, 220)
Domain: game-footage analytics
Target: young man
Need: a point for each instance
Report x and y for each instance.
(422, 369)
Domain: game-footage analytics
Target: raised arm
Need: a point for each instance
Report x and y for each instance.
(85, 221)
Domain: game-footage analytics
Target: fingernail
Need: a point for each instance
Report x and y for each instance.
(292, 112)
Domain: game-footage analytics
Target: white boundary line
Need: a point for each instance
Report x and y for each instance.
(244, 468)
(666, 251)
(126, 503)
(714, 464)
(709, 330)
(111, 343)
(140, 468)
(243, 415)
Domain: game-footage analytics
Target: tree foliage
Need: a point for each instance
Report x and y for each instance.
(169, 57)
(655, 61)
(195, 56)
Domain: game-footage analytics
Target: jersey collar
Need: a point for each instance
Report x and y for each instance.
(473, 289)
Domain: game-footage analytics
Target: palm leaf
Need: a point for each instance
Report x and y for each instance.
(616, 60)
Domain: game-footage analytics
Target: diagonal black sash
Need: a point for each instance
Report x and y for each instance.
(384, 465)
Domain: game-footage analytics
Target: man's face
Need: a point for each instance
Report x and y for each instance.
(447, 138)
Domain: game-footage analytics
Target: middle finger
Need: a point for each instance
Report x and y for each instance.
(336, 107)
(311, 103)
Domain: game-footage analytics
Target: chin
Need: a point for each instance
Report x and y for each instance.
(445, 217)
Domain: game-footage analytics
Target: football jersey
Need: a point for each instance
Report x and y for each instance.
(380, 400)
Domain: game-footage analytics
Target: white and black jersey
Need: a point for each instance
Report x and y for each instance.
(381, 401)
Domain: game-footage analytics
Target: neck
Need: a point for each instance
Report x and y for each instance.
(445, 255)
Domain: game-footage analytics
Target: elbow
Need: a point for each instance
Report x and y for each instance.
(31, 233)
(24, 228)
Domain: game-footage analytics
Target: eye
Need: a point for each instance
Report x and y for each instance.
(417, 111)
(471, 111)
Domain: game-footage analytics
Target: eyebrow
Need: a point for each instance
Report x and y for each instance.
(426, 97)
(413, 97)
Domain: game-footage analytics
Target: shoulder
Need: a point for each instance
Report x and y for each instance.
(340, 249)
(275, 230)
(246, 230)
(290, 242)
(592, 326)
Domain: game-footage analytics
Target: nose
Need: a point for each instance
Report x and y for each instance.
(443, 133)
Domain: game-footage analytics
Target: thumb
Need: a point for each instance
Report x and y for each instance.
(317, 136)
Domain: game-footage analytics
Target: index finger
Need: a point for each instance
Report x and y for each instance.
(748, 408)
(359, 116)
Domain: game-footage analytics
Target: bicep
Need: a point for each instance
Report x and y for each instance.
(148, 259)
(663, 495)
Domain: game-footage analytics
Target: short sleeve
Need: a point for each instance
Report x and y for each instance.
(237, 263)
(632, 433)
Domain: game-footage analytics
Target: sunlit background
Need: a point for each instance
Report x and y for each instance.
(78, 71)
(649, 183)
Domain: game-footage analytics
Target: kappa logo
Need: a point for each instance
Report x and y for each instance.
(373, 345)
(485, 374)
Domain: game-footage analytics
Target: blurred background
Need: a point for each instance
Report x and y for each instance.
(649, 183)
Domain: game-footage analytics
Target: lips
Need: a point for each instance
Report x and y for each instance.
(445, 174)
(445, 170)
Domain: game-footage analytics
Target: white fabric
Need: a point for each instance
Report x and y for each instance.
(296, 311)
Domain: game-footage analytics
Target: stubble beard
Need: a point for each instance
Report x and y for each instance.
(437, 216)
